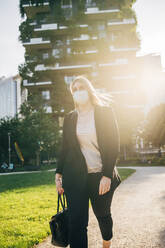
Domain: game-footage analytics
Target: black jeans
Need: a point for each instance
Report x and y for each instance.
(78, 206)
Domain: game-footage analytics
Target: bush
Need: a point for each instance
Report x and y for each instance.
(129, 159)
(155, 159)
(161, 161)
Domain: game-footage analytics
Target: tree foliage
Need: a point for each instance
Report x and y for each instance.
(25, 30)
(155, 125)
(129, 120)
(34, 131)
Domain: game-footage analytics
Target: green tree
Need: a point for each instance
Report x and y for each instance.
(12, 125)
(128, 120)
(36, 132)
(155, 126)
(40, 133)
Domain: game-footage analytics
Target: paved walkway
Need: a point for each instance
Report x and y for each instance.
(138, 210)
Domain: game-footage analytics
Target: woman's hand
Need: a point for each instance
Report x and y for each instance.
(58, 182)
(105, 184)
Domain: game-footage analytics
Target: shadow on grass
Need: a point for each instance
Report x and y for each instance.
(13, 182)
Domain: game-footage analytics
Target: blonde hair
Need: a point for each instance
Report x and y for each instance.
(96, 96)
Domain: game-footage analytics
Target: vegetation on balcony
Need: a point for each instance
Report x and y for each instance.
(26, 31)
(78, 6)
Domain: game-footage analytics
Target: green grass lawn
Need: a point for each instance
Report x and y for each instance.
(27, 203)
(124, 173)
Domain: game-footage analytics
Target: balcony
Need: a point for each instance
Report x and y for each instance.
(33, 23)
(131, 76)
(58, 67)
(45, 27)
(91, 51)
(28, 84)
(117, 24)
(89, 55)
(28, 2)
(80, 54)
(124, 22)
(38, 43)
(115, 63)
(52, 27)
(57, 54)
(95, 12)
(60, 29)
(84, 39)
(122, 49)
(31, 9)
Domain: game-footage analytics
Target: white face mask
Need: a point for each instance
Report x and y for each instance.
(81, 96)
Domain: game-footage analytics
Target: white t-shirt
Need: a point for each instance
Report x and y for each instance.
(86, 134)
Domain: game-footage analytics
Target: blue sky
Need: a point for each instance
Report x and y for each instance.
(151, 19)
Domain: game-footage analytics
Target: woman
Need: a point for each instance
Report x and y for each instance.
(86, 168)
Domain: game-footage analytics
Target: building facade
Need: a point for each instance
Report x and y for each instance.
(67, 38)
(11, 97)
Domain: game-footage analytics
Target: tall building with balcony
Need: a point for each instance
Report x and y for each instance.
(67, 38)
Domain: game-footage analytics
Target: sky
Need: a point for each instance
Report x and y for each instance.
(150, 17)
(11, 50)
(151, 20)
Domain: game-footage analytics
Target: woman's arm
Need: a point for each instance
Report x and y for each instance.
(114, 149)
(61, 160)
(63, 151)
(58, 182)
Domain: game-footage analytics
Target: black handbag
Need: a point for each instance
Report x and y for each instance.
(59, 224)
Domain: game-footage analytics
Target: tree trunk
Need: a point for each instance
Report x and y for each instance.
(125, 153)
(38, 158)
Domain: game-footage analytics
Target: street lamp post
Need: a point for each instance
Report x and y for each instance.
(9, 148)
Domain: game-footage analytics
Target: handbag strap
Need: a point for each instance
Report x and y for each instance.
(62, 202)
(64, 199)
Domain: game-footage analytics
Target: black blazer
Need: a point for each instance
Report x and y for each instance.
(71, 163)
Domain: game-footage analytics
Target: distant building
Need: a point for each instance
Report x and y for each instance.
(11, 96)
